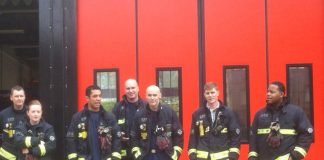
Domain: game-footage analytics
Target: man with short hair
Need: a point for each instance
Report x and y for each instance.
(125, 111)
(93, 133)
(10, 118)
(156, 133)
(215, 132)
(280, 130)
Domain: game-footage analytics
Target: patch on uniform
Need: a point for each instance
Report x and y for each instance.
(69, 134)
(264, 115)
(144, 119)
(192, 132)
(202, 116)
(119, 134)
(179, 132)
(310, 130)
(83, 118)
(237, 131)
(52, 138)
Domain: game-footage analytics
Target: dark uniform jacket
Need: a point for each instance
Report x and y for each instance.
(219, 140)
(77, 143)
(161, 134)
(39, 139)
(125, 117)
(9, 120)
(295, 128)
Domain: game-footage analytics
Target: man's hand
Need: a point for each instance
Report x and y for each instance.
(123, 137)
(25, 151)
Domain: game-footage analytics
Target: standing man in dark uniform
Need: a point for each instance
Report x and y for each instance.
(125, 111)
(10, 118)
(215, 132)
(93, 133)
(280, 131)
(156, 133)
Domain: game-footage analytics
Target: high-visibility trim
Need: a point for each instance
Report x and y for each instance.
(252, 154)
(224, 130)
(136, 151)
(72, 155)
(123, 153)
(177, 148)
(116, 154)
(81, 158)
(28, 141)
(202, 154)
(300, 150)
(284, 157)
(8, 131)
(219, 155)
(83, 134)
(192, 150)
(109, 158)
(7, 154)
(121, 121)
(42, 149)
(236, 150)
(282, 131)
(174, 155)
(263, 131)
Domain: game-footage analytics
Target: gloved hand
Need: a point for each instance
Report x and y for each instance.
(124, 137)
(105, 143)
(274, 140)
(296, 155)
(29, 157)
(162, 142)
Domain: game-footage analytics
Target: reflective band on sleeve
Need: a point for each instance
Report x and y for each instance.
(81, 158)
(136, 151)
(123, 153)
(202, 154)
(121, 121)
(174, 155)
(263, 131)
(253, 154)
(42, 149)
(219, 155)
(28, 141)
(284, 157)
(177, 148)
(6, 154)
(224, 130)
(236, 150)
(300, 150)
(72, 155)
(192, 151)
(288, 131)
(116, 154)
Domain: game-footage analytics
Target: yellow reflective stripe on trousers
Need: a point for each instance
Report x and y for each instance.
(236, 150)
(300, 150)
(6, 154)
(202, 154)
(72, 155)
(121, 121)
(42, 149)
(224, 130)
(116, 154)
(284, 157)
(219, 155)
(192, 151)
(28, 142)
(253, 154)
(288, 131)
(123, 153)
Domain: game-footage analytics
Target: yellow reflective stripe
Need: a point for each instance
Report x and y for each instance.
(288, 131)
(6, 154)
(174, 155)
(202, 154)
(123, 153)
(219, 155)
(236, 150)
(116, 154)
(302, 151)
(8, 131)
(83, 134)
(177, 148)
(224, 130)
(137, 152)
(284, 157)
(121, 121)
(28, 141)
(192, 150)
(42, 149)
(72, 155)
(263, 131)
(253, 154)
(81, 159)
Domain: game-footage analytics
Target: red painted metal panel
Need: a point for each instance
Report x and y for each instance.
(168, 38)
(296, 36)
(106, 39)
(235, 35)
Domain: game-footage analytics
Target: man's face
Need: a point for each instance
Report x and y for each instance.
(18, 98)
(131, 90)
(153, 96)
(274, 96)
(211, 96)
(34, 113)
(94, 101)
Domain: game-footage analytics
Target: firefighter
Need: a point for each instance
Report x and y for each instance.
(280, 131)
(215, 132)
(10, 118)
(156, 133)
(93, 133)
(124, 112)
(35, 138)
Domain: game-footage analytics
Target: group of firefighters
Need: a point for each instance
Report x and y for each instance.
(138, 129)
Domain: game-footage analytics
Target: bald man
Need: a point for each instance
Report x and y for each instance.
(156, 132)
(125, 111)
